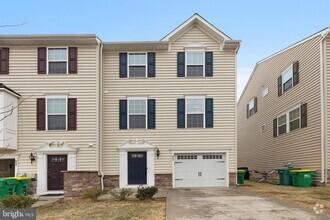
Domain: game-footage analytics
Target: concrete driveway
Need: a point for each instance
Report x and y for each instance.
(229, 203)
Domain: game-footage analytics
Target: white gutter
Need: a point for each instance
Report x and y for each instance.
(323, 135)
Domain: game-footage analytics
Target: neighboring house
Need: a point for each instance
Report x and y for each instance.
(120, 114)
(57, 77)
(169, 109)
(284, 110)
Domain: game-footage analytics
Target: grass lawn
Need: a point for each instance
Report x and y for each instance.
(103, 209)
(304, 197)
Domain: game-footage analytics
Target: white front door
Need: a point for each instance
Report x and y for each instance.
(200, 170)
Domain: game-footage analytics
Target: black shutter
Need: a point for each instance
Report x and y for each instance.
(42, 60)
(72, 114)
(279, 86)
(181, 113)
(303, 112)
(4, 60)
(295, 73)
(151, 113)
(151, 64)
(247, 111)
(275, 127)
(208, 64)
(123, 65)
(209, 113)
(255, 105)
(181, 64)
(41, 114)
(73, 60)
(122, 114)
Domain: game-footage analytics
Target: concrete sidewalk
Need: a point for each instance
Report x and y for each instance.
(46, 200)
(229, 203)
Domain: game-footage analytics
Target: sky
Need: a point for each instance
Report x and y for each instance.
(264, 27)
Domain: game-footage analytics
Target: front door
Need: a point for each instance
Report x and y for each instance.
(137, 168)
(56, 163)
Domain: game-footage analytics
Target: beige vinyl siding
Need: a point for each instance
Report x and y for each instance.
(166, 88)
(24, 79)
(327, 95)
(261, 151)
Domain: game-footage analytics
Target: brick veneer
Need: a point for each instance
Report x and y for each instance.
(111, 181)
(232, 179)
(75, 182)
(32, 189)
(163, 181)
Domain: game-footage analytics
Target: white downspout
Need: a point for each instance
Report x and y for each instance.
(101, 116)
(323, 135)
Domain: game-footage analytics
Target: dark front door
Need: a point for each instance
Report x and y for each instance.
(56, 163)
(137, 168)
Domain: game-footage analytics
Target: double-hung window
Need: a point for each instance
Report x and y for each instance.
(195, 112)
(137, 65)
(195, 61)
(137, 113)
(289, 121)
(56, 113)
(57, 60)
(251, 107)
(287, 79)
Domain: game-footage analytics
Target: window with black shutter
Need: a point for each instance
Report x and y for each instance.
(251, 107)
(4, 60)
(288, 79)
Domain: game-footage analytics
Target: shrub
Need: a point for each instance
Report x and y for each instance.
(93, 193)
(15, 201)
(146, 192)
(123, 194)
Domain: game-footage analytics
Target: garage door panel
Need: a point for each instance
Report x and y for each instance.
(199, 170)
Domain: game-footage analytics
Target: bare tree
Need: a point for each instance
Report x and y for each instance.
(13, 25)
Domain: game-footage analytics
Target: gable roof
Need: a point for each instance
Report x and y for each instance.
(322, 32)
(196, 19)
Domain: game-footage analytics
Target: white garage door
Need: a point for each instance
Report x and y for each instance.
(199, 170)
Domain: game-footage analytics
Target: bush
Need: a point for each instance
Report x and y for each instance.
(146, 192)
(93, 193)
(123, 194)
(15, 201)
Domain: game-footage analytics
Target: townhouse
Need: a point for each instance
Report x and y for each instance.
(120, 114)
(283, 112)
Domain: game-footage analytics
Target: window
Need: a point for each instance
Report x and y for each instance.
(263, 128)
(195, 63)
(287, 77)
(137, 65)
(251, 107)
(289, 121)
(265, 92)
(137, 113)
(195, 112)
(57, 60)
(56, 113)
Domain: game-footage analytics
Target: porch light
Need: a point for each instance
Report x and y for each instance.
(157, 152)
(32, 158)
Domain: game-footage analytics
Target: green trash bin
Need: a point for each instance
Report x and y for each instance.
(240, 176)
(285, 176)
(22, 185)
(7, 186)
(302, 178)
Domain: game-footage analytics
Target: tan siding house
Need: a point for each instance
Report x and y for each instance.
(280, 116)
(192, 155)
(75, 148)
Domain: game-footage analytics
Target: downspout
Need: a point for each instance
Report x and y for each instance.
(101, 116)
(323, 135)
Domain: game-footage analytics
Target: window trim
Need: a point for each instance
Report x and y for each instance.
(282, 86)
(66, 110)
(67, 60)
(287, 117)
(128, 114)
(186, 59)
(186, 109)
(146, 64)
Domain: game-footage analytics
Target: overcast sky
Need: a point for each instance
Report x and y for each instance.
(263, 26)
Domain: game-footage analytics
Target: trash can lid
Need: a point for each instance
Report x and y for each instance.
(241, 171)
(22, 178)
(302, 171)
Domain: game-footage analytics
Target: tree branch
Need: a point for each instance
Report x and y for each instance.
(12, 109)
(14, 25)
